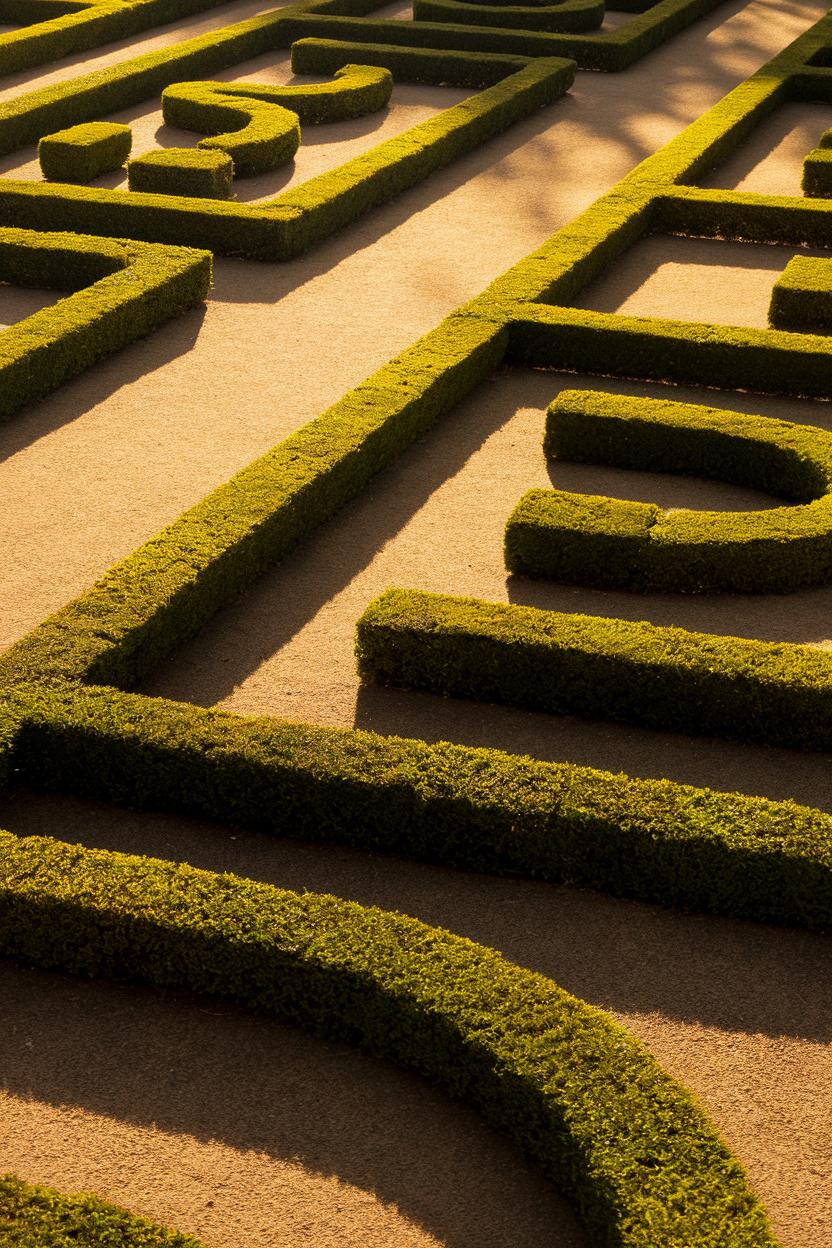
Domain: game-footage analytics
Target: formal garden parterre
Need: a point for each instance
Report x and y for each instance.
(576, 1093)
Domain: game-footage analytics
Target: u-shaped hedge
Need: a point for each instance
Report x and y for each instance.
(575, 1091)
(592, 540)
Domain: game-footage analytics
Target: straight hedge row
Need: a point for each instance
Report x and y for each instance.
(637, 673)
(554, 18)
(610, 51)
(601, 541)
(478, 809)
(146, 606)
(575, 1091)
(39, 1217)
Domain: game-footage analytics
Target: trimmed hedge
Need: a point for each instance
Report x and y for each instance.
(256, 136)
(817, 173)
(589, 540)
(611, 52)
(561, 16)
(570, 1087)
(356, 91)
(39, 1217)
(299, 218)
(478, 809)
(150, 603)
(802, 295)
(182, 171)
(637, 673)
(123, 290)
(83, 152)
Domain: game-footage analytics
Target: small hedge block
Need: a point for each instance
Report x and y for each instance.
(802, 295)
(193, 171)
(82, 153)
(817, 173)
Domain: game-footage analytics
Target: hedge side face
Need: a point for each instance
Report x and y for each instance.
(82, 153)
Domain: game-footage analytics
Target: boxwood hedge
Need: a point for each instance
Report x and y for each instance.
(576, 1092)
(604, 541)
(638, 673)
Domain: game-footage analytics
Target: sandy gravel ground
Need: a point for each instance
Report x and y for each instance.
(242, 1131)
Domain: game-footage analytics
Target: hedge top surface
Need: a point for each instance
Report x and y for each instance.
(578, 1093)
(39, 1217)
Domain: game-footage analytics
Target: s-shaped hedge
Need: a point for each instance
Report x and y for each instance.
(576, 1092)
(602, 541)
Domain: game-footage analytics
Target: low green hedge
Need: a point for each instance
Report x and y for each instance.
(83, 152)
(562, 16)
(570, 1087)
(257, 136)
(817, 173)
(683, 352)
(802, 295)
(123, 290)
(637, 673)
(482, 810)
(611, 52)
(600, 541)
(299, 218)
(182, 171)
(39, 1217)
(143, 608)
(355, 91)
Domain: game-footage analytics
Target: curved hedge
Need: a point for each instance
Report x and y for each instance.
(39, 1217)
(602, 541)
(258, 136)
(575, 1091)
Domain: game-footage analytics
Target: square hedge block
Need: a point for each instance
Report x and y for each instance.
(204, 173)
(817, 173)
(81, 153)
(802, 296)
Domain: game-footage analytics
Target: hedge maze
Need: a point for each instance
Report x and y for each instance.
(582, 1098)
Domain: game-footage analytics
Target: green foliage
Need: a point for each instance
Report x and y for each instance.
(563, 15)
(477, 809)
(182, 171)
(295, 221)
(83, 152)
(257, 136)
(146, 606)
(574, 1090)
(802, 295)
(817, 173)
(588, 665)
(38, 1217)
(123, 289)
(603, 541)
(611, 51)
